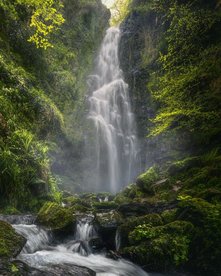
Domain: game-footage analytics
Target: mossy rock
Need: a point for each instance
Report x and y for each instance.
(131, 223)
(55, 217)
(120, 198)
(79, 208)
(146, 180)
(105, 205)
(160, 248)
(146, 232)
(11, 243)
(110, 219)
(169, 215)
(205, 248)
(71, 200)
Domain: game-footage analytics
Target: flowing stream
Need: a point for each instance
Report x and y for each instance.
(39, 251)
(114, 149)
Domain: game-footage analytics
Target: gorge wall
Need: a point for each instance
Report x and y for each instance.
(147, 37)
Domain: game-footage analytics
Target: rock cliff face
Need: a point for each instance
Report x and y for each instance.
(141, 42)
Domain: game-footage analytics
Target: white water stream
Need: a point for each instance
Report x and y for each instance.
(114, 151)
(39, 253)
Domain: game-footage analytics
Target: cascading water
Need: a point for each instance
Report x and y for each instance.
(85, 231)
(115, 147)
(37, 238)
(41, 254)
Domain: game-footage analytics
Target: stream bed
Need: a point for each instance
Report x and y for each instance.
(42, 252)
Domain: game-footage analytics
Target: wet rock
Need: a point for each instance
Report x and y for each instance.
(139, 209)
(109, 220)
(21, 268)
(112, 255)
(11, 243)
(134, 209)
(96, 244)
(108, 223)
(70, 270)
(105, 205)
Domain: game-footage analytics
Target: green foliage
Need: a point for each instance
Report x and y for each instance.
(206, 218)
(44, 20)
(161, 247)
(119, 10)
(185, 83)
(23, 161)
(42, 93)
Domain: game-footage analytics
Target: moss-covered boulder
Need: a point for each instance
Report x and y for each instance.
(11, 243)
(55, 217)
(169, 215)
(110, 219)
(146, 180)
(130, 224)
(160, 248)
(206, 244)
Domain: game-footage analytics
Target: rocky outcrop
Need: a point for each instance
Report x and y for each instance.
(142, 40)
(139, 50)
(11, 243)
(21, 268)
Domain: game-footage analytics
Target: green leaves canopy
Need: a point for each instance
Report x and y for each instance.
(45, 18)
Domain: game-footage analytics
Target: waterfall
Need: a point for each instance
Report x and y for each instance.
(114, 150)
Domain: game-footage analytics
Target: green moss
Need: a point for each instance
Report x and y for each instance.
(121, 199)
(169, 215)
(131, 223)
(79, 208)
(160, 247)
(55, 217)
(111, 218)
(206, 218)
(147, 179)
(11, 243)
(9, 210)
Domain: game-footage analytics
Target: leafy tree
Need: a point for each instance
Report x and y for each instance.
(45, 18)
(186, 84)
(119, 10)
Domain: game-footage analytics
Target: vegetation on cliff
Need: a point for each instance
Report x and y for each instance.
(172, 48)
(42, 93)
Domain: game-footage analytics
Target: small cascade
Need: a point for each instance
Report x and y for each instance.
(39, 252)
(37, 238)
(117, 240)
(113, 148)
(18, 219)
(85, 231)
